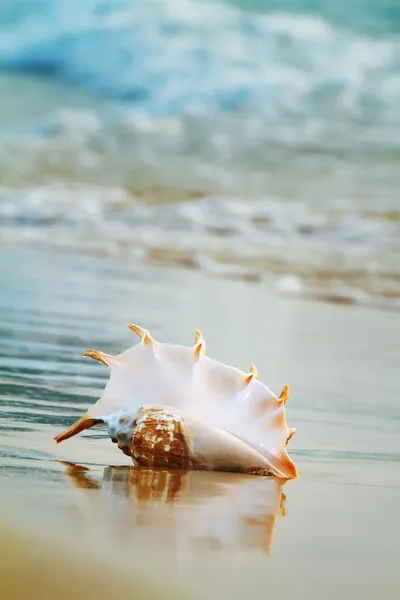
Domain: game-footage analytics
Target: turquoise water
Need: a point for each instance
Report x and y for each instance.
(293, 65)
(366, 16)
(244, 139)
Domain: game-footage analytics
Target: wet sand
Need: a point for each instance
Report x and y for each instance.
(331, 534)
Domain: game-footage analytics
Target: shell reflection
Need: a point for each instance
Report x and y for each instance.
(184, 509)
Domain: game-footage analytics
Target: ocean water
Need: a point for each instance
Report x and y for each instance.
(243, 139)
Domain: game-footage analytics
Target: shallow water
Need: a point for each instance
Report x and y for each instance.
(332, 532)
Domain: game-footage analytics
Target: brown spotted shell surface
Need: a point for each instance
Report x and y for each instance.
(171, 406)
(157, 437)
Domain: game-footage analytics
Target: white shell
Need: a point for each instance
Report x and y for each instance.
(231, 420)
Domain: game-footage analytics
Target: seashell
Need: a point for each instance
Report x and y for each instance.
(170, 406)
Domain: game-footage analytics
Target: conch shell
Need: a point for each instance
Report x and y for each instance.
(170, 406)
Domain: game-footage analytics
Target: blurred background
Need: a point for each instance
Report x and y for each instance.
(231, 165)
(250, 139)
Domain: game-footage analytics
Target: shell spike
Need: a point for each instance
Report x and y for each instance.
(142, 333)
(252, 374)
(288, 467)
(83, 423)
(283, 396)
(200, 345)
(102, 358)
(291, 434)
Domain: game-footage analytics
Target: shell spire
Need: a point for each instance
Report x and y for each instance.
(167, 404)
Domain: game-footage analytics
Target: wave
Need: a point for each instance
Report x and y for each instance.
(335, 253)
(247, 145)
(181, 57)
